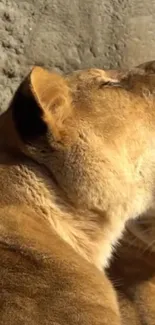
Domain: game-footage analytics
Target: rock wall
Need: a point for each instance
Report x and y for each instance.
(72, 34)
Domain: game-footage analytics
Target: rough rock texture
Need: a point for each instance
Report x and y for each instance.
(72, 34)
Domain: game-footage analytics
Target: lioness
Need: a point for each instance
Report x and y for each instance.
(55, 234)
(77, 162)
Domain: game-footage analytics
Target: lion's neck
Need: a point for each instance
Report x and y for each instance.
(80, 229)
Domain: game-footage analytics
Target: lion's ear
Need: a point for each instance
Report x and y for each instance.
(41, 102)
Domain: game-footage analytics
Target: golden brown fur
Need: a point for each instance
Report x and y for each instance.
(77, 161)
(50, 236)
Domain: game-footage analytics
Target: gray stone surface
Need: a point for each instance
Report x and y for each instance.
(72, 34)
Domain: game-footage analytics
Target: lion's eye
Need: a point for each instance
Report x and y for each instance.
(110, 84)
